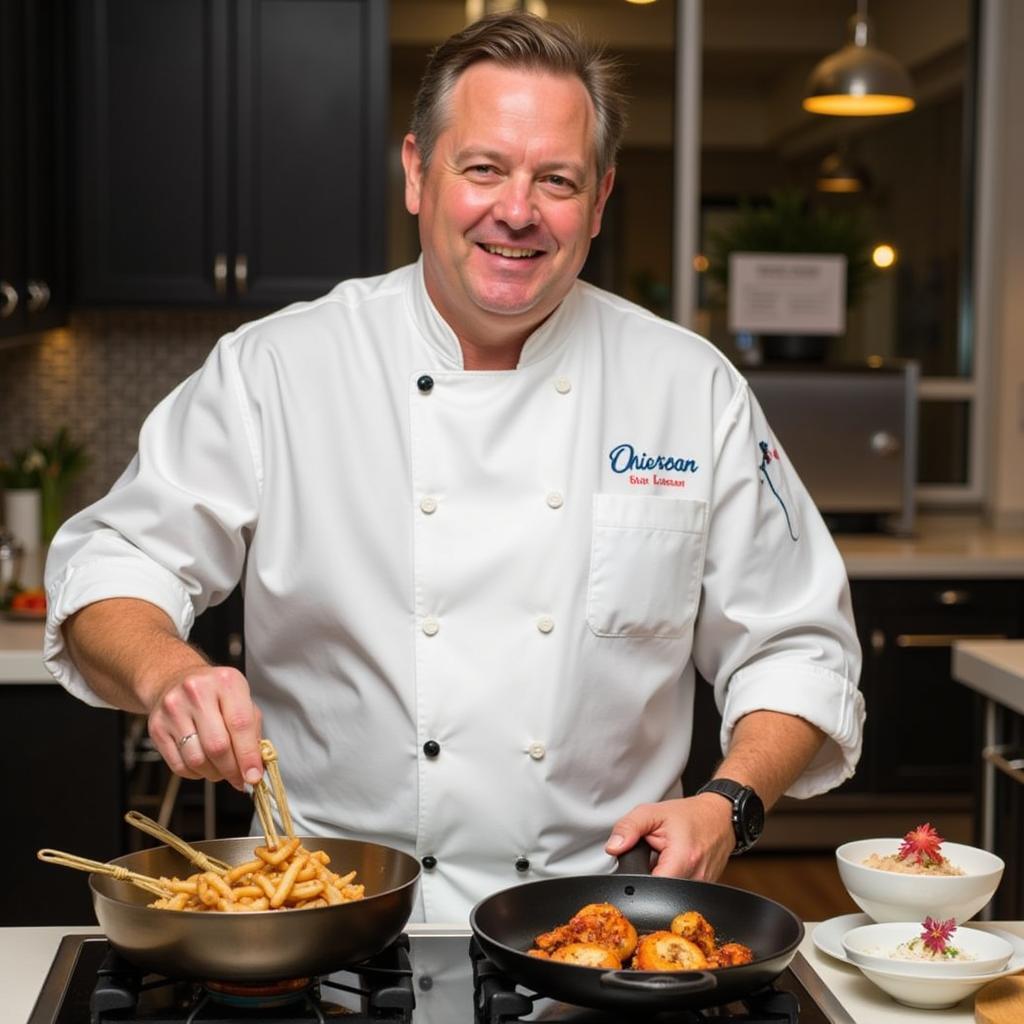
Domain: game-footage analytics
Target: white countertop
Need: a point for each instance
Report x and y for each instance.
(26, 955)
(21, 657)
(956, 546)
(866, 1004)
(993, 668)
(25, 958)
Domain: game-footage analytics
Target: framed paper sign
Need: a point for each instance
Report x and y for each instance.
(787, 293)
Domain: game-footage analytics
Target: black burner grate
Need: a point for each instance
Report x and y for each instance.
(379, 990)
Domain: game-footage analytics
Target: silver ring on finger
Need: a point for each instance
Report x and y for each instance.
(186, 738)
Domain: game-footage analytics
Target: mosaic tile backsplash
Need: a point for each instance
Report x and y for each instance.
(100, 376)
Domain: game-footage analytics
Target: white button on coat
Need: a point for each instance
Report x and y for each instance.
(536, 751)
(428, 505)
(545, 623)
(555, 500)
(431, 626)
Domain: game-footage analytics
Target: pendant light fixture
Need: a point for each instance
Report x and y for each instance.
(859, 80)
(839, 174)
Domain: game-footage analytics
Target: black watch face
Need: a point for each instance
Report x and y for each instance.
(751, 816)
(755, 818)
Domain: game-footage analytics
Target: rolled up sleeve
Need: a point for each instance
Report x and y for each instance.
(173, 530)
(776, 630)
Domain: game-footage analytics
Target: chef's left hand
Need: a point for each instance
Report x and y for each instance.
(692, 836)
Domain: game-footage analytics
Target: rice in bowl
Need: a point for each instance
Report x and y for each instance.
(892, 862)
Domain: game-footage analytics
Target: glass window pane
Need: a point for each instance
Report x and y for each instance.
(904, 173)
(912, 308)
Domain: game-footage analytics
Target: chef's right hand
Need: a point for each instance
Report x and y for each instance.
(206, 726)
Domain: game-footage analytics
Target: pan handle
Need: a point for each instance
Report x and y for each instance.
(676, 983)
(636, 861)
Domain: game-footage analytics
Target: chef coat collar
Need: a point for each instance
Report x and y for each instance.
(435, 330)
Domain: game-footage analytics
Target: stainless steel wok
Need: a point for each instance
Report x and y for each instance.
(258, 946)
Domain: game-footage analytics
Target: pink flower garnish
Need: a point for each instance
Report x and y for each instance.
(937, 934)
(921, 846)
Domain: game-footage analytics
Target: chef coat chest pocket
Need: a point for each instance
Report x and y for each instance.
(646, 562)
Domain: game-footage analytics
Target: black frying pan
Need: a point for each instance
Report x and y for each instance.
(506, 923)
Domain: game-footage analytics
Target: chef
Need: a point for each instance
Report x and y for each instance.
(488, 520)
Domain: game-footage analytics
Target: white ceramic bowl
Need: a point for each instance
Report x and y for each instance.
(892, 896)
(868, 946)
(928, 993)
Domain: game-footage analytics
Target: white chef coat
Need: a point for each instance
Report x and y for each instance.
(521, 566)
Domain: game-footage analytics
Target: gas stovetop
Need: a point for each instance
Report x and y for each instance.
(428, 979)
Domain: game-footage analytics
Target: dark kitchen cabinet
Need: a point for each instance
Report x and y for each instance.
(64, 789)
(229, 151)
(33, 59)
(919, 736)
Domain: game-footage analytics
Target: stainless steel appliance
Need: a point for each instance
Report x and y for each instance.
(851, 434)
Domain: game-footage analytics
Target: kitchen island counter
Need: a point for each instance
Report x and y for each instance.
(993, 668)
(943, 546)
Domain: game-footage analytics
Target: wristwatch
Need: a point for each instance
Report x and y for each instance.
(747, 810)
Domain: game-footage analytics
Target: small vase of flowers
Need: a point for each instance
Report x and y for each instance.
(35, 481)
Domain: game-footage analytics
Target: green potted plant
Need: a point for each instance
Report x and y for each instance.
(789, 224)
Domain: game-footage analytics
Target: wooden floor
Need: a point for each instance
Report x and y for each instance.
(806, 883)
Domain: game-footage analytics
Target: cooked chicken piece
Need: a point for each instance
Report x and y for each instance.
(539, 954)
(665, 951)
(695, 927)
(560, 936)
(600, 923)
(587, 954)
(730, 954)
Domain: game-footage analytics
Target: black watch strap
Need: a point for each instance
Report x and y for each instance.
(747, 810)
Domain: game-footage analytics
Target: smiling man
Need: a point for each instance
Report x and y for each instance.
(489, 522)
(508, 203)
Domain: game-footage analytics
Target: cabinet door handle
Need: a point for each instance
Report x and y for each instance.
(994, 755)
(241, 273)
(10, 296)
(953, 597)
(220, 273)
(942, 639)
(885, 445)
(38, 296)
(877, 641)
